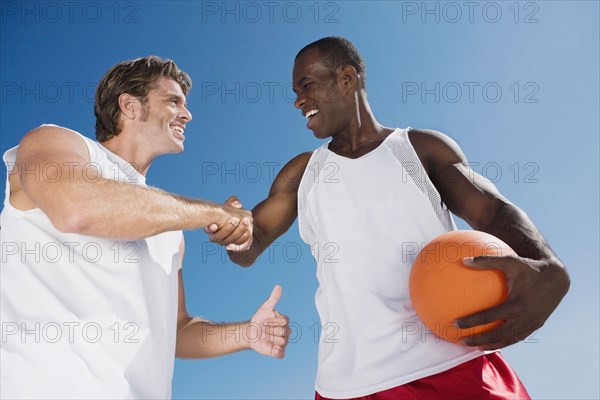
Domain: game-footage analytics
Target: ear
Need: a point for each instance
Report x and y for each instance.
(350, 79)
(129, 105)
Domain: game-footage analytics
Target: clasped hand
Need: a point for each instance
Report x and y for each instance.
(535, 288)
(235, 232)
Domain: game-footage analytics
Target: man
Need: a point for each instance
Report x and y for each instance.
(92, 290)
(370, 191)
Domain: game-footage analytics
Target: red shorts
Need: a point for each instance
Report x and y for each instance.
(485, 377)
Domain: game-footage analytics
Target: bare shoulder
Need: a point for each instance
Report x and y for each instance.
(63, 142)
(434, 147)
(301, 160)
(49, 133)
(290, 176)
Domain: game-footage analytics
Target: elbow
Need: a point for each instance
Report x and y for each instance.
(180, 353)
(245, 264)
(563, 280)
(70, 221)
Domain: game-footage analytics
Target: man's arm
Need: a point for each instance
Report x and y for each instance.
(78, 200)
(272, 217)
(266, 333)
(537, 279)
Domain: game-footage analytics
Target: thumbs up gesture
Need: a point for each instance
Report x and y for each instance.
(272, 328)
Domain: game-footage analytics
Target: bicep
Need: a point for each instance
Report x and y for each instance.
(274, 216)
(468, 195)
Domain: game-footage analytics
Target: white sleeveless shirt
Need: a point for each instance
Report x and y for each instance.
(85, 317)
(365, 220)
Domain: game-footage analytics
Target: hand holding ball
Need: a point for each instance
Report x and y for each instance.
(443, 289)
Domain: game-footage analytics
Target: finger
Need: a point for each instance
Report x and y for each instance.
(278, 321)
(238, 236)
(484, 317)
(242, 238)
(279, 331)
(234, 202)
(484, 345)
(278, 341)
(278, 352)
(248, 243)
(489, 262)
(281, 317)
(242, 243)
(227, 229)
(273, 299)
(501, 336)
(493, 339)
(211, 228)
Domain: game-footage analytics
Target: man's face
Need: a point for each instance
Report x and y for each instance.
(318, 95)
(165, 116)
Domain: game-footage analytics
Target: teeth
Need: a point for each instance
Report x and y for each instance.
(310, 113)
(178, 129)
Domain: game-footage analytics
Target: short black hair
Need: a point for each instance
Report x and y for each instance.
(337, 52)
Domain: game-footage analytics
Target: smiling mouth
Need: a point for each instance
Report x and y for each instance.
(311, 112)
(310, 116)
(178, 132)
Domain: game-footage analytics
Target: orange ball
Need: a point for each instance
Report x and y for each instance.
(443, 289)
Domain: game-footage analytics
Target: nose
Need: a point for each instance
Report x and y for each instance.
(299, 102)
(185, 114)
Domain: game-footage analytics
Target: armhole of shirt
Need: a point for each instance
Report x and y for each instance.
(91, 147)
(180, 261)
(9, 158)
(404, 151)
(309, 178)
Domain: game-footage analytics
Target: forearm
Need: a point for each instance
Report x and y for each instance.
(513, 226)
(106, 208)
(246, 258)
(198, 338)
(271, 220)
(142, 211)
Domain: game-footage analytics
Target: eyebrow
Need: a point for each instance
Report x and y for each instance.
(299, 83)
(174, 95)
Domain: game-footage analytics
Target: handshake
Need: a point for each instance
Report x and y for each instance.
(235, 229)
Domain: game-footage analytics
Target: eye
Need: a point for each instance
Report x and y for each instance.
(307, 85)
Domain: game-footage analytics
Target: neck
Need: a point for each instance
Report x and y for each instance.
(363, 132)
(125, 146)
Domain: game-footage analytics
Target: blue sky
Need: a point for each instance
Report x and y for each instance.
(514, 83)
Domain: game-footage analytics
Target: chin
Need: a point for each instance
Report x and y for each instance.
(320, 135)
(176, 149)
(178, 146)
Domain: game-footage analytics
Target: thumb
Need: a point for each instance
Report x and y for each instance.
(273, 299)
(234, 202)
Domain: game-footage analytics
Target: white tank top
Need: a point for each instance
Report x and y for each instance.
(85, 317)
(365, 219)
